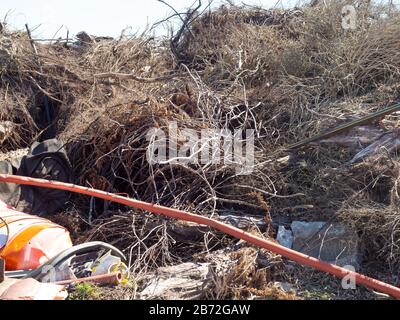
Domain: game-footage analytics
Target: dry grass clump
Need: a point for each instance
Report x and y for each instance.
(15, 94)
(148, 241)
(145, 239)
(295, 62)
(346, 62)
(98, 69)
(379, 231)
(240, 47)
(331, 64)
(231, 44)
(323, 179)
(76, 79)
(18, 128)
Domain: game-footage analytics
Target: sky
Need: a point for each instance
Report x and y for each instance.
(97, 17)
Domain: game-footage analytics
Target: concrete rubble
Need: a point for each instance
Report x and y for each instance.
(285, 237)
(326, 241)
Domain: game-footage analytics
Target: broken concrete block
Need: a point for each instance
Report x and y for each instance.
(284, 237)
(328, 242)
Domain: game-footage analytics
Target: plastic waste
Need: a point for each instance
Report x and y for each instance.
(109, 264)
(28, 241)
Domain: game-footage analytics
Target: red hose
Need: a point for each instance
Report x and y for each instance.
(233, 231)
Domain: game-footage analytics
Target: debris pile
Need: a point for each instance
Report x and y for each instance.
(289, 75)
